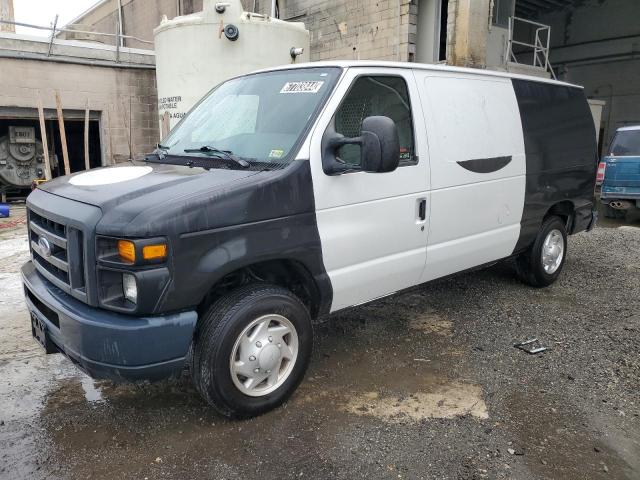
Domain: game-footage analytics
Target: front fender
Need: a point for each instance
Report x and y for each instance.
(207, 257)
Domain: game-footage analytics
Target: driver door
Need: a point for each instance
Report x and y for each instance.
(373, 226)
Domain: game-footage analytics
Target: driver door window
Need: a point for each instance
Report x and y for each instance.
(383, 95)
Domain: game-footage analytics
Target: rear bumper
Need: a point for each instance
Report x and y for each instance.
(610, 192)
(106, 344)
(634, 199)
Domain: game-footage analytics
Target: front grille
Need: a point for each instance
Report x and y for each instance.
(57, 250)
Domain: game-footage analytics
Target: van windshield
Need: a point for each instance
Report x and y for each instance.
(258, 118)
(626, 143)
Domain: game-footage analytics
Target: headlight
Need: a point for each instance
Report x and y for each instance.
(129, 287)
(135, 251)
(153, 251)
(127, 251)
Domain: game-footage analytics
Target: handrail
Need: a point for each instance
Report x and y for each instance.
(540, 46)
(525, 20)
(55, 30)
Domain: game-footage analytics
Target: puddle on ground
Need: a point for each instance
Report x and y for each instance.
(91, 392)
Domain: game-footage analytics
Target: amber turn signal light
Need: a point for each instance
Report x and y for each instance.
(127, 251)
(154, 252)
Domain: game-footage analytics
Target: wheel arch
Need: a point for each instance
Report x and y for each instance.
(564, 209)
(289, 273)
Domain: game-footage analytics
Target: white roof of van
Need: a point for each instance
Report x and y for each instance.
(630, 127)
(418, 66)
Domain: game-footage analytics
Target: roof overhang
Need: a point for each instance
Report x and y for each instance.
(535, 8)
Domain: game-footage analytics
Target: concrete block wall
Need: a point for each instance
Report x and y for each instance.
(125, 98)
(360, 30)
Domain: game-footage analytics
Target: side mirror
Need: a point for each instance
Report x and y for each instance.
(379, 147)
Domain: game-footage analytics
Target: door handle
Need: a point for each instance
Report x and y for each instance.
(422, 209)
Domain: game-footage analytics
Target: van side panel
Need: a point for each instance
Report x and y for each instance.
(561, 154)
(477, 162)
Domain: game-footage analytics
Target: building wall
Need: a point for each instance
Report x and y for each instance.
(467, 32)
(361, 29)
(597, 44)
(6, 13)
(125, 98)
(139, 18)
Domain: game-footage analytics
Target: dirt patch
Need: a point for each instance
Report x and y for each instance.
(432, 323)
(446, 401)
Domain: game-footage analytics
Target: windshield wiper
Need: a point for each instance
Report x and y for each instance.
(226, 154)
(161, 150)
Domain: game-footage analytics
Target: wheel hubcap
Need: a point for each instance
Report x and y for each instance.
(263, 355)
(552, 251)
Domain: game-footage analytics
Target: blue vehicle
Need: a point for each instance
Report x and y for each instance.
(619, 174)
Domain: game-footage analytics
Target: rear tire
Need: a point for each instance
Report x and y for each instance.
(242, 333)
(540, 266)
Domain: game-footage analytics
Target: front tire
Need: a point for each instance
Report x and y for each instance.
(251, 350)
(540, 266)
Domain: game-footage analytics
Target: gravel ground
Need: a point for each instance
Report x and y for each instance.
(426, 384)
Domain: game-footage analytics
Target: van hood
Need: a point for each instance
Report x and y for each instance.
(147, 184)
(146, 199)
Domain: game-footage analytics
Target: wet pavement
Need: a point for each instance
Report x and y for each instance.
(425, 384)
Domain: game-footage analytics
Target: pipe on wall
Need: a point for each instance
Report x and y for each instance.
(120, 30)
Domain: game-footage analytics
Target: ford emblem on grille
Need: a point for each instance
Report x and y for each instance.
(45, 246)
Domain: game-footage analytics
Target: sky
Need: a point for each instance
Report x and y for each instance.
(42, 12)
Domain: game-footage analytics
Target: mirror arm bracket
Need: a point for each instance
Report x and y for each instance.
(337, 142)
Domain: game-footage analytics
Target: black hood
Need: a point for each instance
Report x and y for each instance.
(163, 185)
(173, 180)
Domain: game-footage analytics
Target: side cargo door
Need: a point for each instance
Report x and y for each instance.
(478, 169)
(372, 225)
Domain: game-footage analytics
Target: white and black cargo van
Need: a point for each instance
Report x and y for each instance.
(292, 193)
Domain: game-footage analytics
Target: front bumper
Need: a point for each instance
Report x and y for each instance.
(107, 344)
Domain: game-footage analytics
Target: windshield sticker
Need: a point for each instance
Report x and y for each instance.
(312, 86)
(276, 153)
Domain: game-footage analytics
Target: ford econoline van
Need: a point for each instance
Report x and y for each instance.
(291, 193)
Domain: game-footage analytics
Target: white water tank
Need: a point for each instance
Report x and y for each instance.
(194, 53)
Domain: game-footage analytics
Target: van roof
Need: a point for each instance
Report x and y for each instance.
(628, 128)
(418, 66)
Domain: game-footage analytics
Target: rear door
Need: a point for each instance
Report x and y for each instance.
(371, 225)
